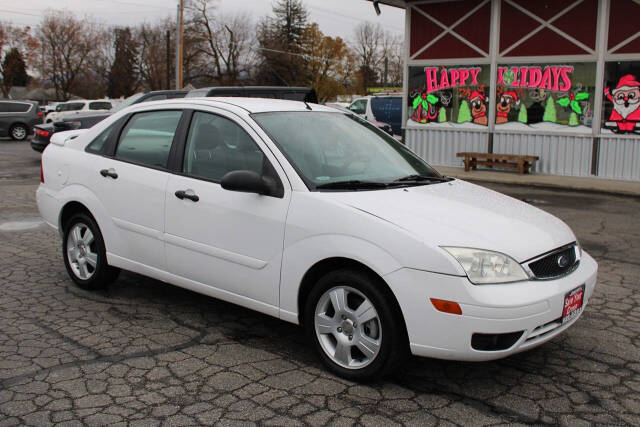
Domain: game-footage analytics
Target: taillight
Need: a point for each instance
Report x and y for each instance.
(41, 171)
(40, 114)
(43, 133)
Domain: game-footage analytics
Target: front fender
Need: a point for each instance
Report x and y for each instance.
(303, 254)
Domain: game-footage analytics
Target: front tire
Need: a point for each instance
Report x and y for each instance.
(356, 330)
(19, 132)
(84, 253)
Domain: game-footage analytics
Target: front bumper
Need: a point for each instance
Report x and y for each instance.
(533, 307)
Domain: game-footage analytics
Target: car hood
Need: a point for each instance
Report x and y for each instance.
(458, 213)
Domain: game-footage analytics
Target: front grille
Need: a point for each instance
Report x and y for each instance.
(558, 263)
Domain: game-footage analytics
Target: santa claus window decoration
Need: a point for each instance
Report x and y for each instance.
(449, 96)
(545, 97)
(621, 110)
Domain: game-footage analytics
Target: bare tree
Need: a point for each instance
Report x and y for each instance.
(67, 45)
(152, 54)
(367, 46)
(223, 44)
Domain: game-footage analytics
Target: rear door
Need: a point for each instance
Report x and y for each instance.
(227, 240)
(132, 182)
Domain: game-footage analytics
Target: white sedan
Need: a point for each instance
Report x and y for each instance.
(316, 217)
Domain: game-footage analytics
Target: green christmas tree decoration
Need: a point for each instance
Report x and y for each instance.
(550, 111)
(464, 115)
(522, 115)
(442, 115)
(573, 119)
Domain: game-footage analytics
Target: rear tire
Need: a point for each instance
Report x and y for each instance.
(84, 253)
(361, 338)
(19, 132)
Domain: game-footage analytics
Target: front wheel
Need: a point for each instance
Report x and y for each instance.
(84, 253)
(19, 132)
(354, 327)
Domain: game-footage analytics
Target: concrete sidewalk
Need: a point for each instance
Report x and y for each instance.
(627, 188)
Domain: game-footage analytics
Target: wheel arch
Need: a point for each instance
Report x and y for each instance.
(69, 210)
(320, 268)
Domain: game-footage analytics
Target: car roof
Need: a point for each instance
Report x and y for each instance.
(253, 105)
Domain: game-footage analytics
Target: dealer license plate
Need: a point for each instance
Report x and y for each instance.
(573, 304)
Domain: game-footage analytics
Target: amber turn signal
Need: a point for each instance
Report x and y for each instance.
(446, 306)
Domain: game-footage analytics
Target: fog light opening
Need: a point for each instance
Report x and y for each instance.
(450, 307)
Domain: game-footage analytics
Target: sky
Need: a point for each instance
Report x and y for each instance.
(335, 17)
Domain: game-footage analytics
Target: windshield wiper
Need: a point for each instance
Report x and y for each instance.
(417, 177)
(353, 184)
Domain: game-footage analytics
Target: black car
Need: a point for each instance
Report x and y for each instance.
(304, 94)
(84, 121)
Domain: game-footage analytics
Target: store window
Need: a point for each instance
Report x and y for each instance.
(621, 101)
(547, 97)
(449, 96)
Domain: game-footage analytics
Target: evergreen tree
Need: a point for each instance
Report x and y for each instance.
(550, 111)
(123, 76)
(281, 42)
(522, 115)
(573, 119)
(442, 115)
(464, 114)
(15, 69)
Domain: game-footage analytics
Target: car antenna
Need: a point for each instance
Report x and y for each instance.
(307, 105)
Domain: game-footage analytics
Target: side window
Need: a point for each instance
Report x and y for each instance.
(359, 106)
(100, 105)
(216, 146)
(147, 138)
(74, 106)
(4, 107)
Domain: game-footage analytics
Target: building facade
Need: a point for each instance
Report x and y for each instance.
(554, 78)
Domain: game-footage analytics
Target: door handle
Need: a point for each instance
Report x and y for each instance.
(109, 173)
(188, 194)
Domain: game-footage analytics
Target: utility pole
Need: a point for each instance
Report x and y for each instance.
(168, 49)
(178, 65)
(386, 72)
(179, 44)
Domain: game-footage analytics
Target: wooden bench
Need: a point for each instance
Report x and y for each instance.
(522, 163)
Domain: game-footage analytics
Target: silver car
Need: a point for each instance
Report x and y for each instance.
(17, 118)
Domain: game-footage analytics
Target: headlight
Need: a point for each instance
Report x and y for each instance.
(484, 267)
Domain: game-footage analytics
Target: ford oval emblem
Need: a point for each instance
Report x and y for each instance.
(562, 261)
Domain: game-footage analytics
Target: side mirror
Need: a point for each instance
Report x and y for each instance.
(247, 182)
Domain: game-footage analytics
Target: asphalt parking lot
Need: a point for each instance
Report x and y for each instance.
(146, 353)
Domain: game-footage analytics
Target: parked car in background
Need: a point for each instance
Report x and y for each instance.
(18, 118)
(304, 94)
(316, 217)
(75, 107)
(382, 108)
(85, 120)
(380, 125)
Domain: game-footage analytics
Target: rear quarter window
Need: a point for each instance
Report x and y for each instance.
(18, 107)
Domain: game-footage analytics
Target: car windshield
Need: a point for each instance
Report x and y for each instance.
(130, 100)
(343, 152)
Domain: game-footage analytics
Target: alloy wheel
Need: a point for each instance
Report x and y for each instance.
(81, 251)
(19, 132)
(348, 327)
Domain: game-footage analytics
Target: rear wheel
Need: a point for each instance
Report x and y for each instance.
(19, 132)
(85, 255)
(353, 326)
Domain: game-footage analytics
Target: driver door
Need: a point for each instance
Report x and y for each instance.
(229, 241)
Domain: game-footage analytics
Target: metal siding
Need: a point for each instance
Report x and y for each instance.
(439, 147)
(619, 158)
(559, 154)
